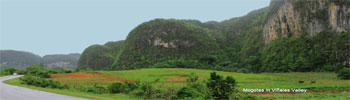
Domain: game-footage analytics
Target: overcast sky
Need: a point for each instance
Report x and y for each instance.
(69, 26)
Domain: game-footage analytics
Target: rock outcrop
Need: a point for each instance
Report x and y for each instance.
(294, 17)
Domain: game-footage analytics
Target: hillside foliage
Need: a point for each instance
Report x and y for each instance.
(98, 57)
(235, 45)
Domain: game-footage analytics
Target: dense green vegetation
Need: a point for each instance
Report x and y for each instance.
(35, 70)
(325, 52)
(41, 82)
(7, 71)
(169, 43)
(234, 45)
(344, 73)
(97, 57)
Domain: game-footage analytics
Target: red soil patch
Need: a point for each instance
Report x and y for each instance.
(180, 79)
(94, 73)
(116, 73)
(72, 75)
(116, 79)
(101, 78)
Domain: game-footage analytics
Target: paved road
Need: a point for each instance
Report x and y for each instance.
(9, 92)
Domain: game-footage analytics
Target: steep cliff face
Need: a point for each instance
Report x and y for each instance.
(294, 17)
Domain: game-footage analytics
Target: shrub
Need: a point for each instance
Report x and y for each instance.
(126, 87)
(129, 86)
(167, 93)
(148, 91)
(193, 90)
(192, 78)
(244, 96)
(43, 74)
(221, 88)
(8, 71)
(38, 70)
(52, 71)
(41, 82)
(188, 93)
(68, 71)
(98, 89)
(344, 74)
(33, 69)
(116, 87)
(21, 72)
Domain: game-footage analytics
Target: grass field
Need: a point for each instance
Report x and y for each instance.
(326, 86)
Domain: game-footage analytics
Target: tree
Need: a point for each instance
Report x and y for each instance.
(344, 74)
(38, 70)
(7, 71)
(221, 88)
(33, 69)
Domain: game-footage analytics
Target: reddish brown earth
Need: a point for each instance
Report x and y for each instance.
(89, 78)
(71, 75)
(116, 73)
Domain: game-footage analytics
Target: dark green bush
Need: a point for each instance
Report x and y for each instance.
(243, 97)
(221, 88)
(68, 71)
(41, 82)
(188, 93)
(148, 91)
(38, 70)
(116, 87)
(7, 71)
(129, 86)
(96, 88)
(193, 90)
(43, 74)
(126, 87)
(33, 69)
(167, 93)
(344, 74)
(52, 71)
(21, 72)
(192, 78)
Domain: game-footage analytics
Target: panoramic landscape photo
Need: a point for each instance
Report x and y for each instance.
(175, 50)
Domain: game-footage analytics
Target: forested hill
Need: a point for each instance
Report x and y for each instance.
(12, 58)
(286, 36)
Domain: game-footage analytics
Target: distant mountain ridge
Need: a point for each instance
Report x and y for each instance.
(24, 59)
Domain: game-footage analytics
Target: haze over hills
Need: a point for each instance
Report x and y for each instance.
(12, 58)
(288, 35)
